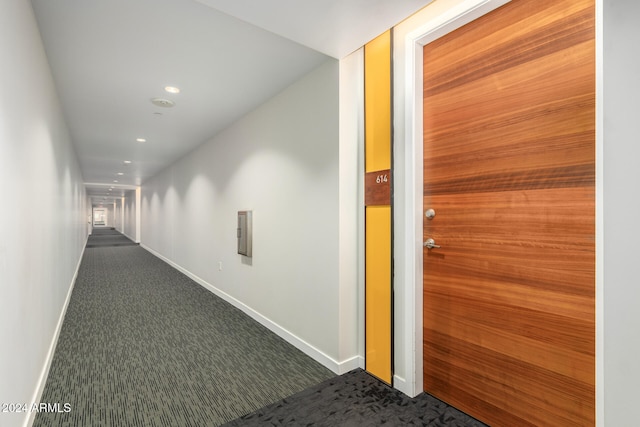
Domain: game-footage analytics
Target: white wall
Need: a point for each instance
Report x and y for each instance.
(351, 207)
(117, 214)
(39, 254)
(282, 162)
(111, 215)
(621, 151)
(129, 213)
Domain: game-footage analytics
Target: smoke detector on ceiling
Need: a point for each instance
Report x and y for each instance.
(162, 102)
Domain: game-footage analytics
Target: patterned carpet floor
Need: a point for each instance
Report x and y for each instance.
(356, 399)
(144, 345)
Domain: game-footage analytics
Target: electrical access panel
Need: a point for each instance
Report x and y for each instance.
(245, 233)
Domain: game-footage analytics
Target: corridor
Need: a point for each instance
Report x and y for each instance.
(144, 345)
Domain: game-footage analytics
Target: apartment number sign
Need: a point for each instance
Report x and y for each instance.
(377, 191)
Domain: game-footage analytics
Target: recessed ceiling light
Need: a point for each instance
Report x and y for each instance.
(141, 140)
(120, 173)
(115, 180)
(172, 89)
(127, 162)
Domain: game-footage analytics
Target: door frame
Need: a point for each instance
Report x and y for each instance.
(409, 162)
(437, 24)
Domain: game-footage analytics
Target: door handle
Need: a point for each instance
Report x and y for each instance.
(430, 244)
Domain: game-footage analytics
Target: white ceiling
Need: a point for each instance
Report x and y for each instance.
(333, 27)
(111, 57)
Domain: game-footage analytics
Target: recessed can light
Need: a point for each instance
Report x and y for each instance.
(172, 89)
(141, 140)
(120, 173)
(127, 162)
(115, 180)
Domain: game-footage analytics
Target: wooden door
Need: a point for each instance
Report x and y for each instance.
(509, 169)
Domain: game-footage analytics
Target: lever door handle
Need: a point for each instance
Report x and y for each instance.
(430, 244)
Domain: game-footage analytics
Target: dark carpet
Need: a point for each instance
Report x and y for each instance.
(357, 399)
(106, 236)
(143, 345)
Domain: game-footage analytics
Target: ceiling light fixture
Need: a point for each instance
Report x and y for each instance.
(115, 180)
(172, 89)
(127, 162)
(120, 173)
(162, 102)
(141, 140)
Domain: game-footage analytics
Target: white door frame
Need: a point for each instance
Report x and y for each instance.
(440, 19)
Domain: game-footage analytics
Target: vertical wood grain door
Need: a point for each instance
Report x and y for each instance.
(509, 170)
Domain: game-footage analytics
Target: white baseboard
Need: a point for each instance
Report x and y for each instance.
(44, 374)
(311, 351)
(351, 364)
(401, 384)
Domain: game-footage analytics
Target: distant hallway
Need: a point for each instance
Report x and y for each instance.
(107, 236)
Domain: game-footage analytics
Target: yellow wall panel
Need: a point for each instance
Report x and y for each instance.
(378, 291)
(378, 310)
(377, 98)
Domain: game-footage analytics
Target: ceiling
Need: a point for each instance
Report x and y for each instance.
(110, 58)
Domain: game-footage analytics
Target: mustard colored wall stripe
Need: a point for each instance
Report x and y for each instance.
(377, 97)
(378, 292)
(378, 226)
